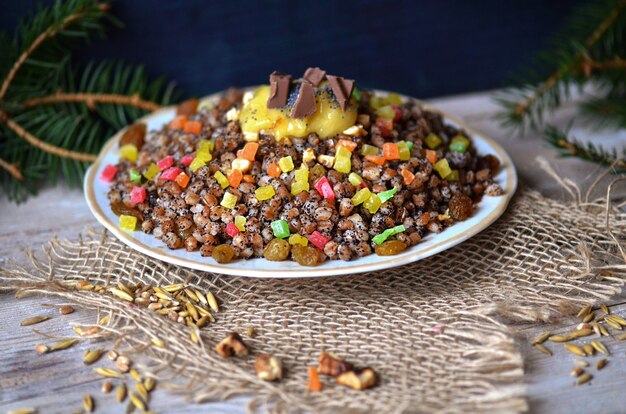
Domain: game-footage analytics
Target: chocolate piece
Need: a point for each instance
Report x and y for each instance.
(342, 88)
(314, 75)
(279, 90)
(305, 102)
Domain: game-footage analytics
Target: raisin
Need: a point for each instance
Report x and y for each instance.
(120, 208)
(135, 135)
(390, 248)
(306, 255)
(189, 107)
(460, 206)
(223, 253)
(277, 250)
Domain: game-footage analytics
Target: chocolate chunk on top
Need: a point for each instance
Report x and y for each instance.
(279, 90)
(342, 88)
(305, 102)
(314, 75)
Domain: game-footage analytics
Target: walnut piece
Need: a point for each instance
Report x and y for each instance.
(331, 364)
(268, 367)
(232, 345)
(359, 379)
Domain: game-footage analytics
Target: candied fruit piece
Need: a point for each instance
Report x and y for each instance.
(129, 151)
(240, 222)
(376, 102)
(393, 98)
(223, 253)
(373, 203)
(459, 144)
(308, 155)
(273, 170)
(302, 174)
(108, 173)
(277, 250)
(410, 145)
(280, 228)
(299, 186)
(229, 200)
(318, 239)
(134, 176)
(368, 149)
(170, 174)
(453, 176)
(347, 144)
(408, 177)
(234, 178)
(204, 156)
(376, 159)
(397, 111)
(380, 238)
(206, 145)
(361, 196)
(385, 125)
(432, 141)
(298, 239)
(386, 112)
(431, 156)
(443, 168)
(193, 127)
(390, 248)
(403, 151)
(165, 163)
(232, 230)
(324, 188)
(137, 195)
(391, 151)
(460, 206)
(196, 163)
(249, 151)
(128, 223)
(186, 160)
(343, 162)
(286, 164)
(386, 195)
(264, 193)
(178, 122)
(151, 172)
(221, 179)
(355, 179)
(182, 180)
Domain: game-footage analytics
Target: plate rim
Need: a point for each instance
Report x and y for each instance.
(391, 261)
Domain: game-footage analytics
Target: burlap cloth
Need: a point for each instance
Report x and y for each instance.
(437, 330)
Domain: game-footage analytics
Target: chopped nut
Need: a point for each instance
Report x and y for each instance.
(249, 136)
(241, 164)
(268, 367)
(355, 131)
(359, 379)
(308, 155)
(112, 355)
(232, 345)
(326, 160)
(331, 364)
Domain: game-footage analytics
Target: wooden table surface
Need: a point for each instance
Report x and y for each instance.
(56, 383)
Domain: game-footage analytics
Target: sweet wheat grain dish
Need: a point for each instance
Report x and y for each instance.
(306, 170)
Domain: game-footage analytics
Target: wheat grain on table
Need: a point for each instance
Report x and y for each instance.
(59, 384)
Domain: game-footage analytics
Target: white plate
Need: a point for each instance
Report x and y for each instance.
(487, 211)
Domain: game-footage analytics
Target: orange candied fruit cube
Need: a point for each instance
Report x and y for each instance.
(182, 179)
(314, 380)
(248, 178)
(408, 176)
(234, 178)
(431, 156)
(391, 151)
(376, 159)
(347, 144)
(249, 151)
(193, 127)
(178, 122)
(273, 170)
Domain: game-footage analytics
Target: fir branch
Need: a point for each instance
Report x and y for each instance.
(43, 145)
(91, 98)
(589, 65)
(12, 169)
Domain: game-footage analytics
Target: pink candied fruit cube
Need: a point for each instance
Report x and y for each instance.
(108, 173)
(318, 239)
(137, 195)
(170, 174)
(165, 163)
(186, 160)
(231, 229)
(324, 188)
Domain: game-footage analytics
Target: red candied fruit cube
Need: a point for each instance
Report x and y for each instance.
(231, 229)
(385, 125)
(137, 195)
(108, 173)
(186, 160)
(318, 239)
(398, 112)
(170, 174)
(165, 163)
(324, 188)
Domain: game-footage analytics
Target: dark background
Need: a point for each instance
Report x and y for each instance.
(421, 48)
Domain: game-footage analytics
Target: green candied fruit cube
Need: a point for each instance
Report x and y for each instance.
(403, 149)
(453, 176)
(373, 203)
(356, 93)
(280, 229)
(386, 195)
(410, 145)
(394, 98)
(128, 223)
(367, 149)
(134, 176)
(386, 112)
(355, 179)
(459, 144)
(432, 141)
(151, 172)
(229, 201)
(443, 168)
(361, 196)
(221, 179)
(196, 163)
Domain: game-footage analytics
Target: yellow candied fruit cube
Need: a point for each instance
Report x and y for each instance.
(206, 145)
(264, 193)
(343, 161)
(240, 223)
(302, 174)
(229, 200)
(286, 164)
(355, 179)
(386, 112)
(196, 163)
(204, 156)
(394, 98)
(151, 172)
(128, 223)
(361, 196)
(297, 239)
(221, 179)
(373, 203)
(129, 151)
(308, 155)
(299, 186)
(443, 168)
